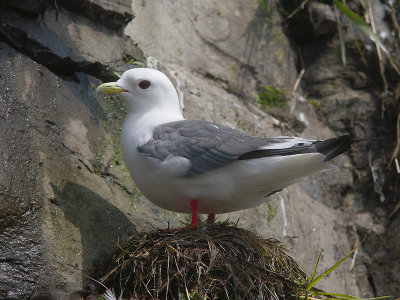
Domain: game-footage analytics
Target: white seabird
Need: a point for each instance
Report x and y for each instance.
(192, 166)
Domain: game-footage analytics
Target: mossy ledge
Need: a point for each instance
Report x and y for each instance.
(215, 261)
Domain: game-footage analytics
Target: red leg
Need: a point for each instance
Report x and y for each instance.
(211, 218)
(193, 204)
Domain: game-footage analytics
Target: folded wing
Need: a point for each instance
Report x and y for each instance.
(208, 146)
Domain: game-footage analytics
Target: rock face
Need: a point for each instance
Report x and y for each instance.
(21, 196)
(66, 196)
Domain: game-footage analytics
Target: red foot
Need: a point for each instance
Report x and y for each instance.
(211, 218)
(194, 223)
(193, 204)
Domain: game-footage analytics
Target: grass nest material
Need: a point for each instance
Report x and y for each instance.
(217, 261)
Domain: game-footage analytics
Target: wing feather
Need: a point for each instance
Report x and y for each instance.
(208, 146)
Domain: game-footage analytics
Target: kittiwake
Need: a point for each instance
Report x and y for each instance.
(193, 166)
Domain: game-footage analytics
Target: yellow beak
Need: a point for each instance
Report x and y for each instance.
(109, 88)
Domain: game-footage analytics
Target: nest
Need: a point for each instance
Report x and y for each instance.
(216, 261)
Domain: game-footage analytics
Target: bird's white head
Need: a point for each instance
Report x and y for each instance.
(145, 91)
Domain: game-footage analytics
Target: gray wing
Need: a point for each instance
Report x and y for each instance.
(210, 146)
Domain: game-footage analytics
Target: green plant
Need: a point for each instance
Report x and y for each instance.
(264, 6)
(315, 103)
(276, 36)
(314, 280)
(271, 213)
(279, 55)
(364, 27)
(129, 59)
(272, 97)
(234, 69)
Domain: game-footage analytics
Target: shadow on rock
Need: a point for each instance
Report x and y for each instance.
(100, 223)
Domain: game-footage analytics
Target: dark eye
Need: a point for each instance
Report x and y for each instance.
(144, 84)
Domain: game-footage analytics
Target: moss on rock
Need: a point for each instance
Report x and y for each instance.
(271, 96)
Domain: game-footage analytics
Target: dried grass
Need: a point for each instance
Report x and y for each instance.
(217, 261)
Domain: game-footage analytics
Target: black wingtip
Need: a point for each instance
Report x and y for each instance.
(334, 146)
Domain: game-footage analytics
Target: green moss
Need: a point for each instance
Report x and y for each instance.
(272, 97)
(276, 36)
(117, 159)
(99, 156)
(56, 213)
(279, 54)
(271, 212)
(135, 199)
(315, 103)
(264, 6)
(234, 69)
(114, 108)
(192, 296)
(129, 59)
(114, 112)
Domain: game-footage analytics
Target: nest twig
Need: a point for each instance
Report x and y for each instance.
(217, 261)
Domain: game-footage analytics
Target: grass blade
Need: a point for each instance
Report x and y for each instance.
(360, 23)
(314, 281)
(346, 297)
(316, 265)
(342, 43)
(356, 19)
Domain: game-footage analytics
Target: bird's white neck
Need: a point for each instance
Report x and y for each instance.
(153, 118)
(138, 127)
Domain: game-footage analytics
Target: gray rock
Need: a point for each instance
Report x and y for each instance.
(114, 14)
(31, 7)
(67, 43)
(223, 40)
(57, 222)
(322, 18)
(22, 267)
